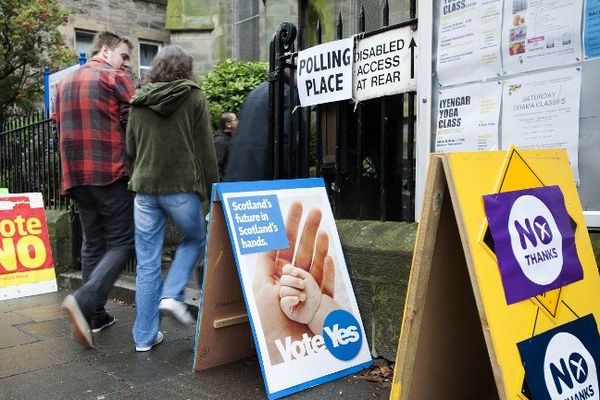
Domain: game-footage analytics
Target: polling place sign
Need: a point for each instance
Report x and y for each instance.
(324, 72)
(291, 281)
(26, 266)
(384, 64)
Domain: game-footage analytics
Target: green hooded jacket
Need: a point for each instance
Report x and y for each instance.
(170, 140)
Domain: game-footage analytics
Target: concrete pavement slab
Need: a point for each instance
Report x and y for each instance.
(137, 368)
(12, 336)
(46, 329)
(23, 303)
(55, 367)
(39, 355)
(39, 313)
(12, 318)
(54, 383)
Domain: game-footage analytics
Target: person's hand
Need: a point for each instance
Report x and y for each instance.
(311, 256)
(312, 251)
(300, 296)
(302, 300)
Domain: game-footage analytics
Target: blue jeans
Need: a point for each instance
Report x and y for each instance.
(150, 213)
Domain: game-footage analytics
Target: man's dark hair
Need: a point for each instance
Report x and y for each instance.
(109, 39)
(226, 117)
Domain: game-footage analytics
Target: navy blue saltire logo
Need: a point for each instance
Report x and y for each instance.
(562, 363)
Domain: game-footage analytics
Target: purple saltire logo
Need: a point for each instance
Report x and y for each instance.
(533, 240)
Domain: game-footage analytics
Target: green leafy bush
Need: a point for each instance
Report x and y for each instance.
(30, 40)
(228, 83)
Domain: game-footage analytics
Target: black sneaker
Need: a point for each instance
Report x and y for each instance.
(103, 322)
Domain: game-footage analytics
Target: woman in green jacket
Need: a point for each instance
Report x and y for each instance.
(169, 139)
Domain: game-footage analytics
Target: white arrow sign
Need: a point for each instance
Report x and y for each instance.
(384, 64)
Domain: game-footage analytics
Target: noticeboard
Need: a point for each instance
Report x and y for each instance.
(517, 44)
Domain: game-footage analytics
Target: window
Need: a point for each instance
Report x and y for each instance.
(83, 42)
(247, 34)
(148, 51)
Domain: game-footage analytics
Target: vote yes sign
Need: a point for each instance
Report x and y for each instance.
(533, 240)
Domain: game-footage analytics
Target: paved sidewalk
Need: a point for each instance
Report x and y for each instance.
(39, 360)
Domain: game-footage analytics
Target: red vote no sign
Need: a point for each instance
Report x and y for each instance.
(24, 242)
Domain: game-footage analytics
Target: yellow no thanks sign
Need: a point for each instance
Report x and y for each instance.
(459, 336)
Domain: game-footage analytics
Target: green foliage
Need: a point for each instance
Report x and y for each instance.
(29, 40)
(228, 83)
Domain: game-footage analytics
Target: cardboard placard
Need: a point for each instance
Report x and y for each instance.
(291, 284)
(26, 265)
(468, 313)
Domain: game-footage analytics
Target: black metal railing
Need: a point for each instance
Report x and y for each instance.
(364, 151)
(29, 158)
(30, 162)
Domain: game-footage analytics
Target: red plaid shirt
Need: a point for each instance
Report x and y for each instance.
(91, 110)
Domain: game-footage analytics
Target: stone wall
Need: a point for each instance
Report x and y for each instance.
(275, 13)
(206, 28)
(198, 45)
(203, 27)
(135, 19)
(59, 232)
(199, 26)
(378, 255)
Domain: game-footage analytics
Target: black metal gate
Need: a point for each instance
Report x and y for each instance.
(365, 151)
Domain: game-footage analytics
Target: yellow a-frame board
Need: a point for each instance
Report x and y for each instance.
(459, 335)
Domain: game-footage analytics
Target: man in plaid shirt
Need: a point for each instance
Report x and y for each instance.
(91, 113)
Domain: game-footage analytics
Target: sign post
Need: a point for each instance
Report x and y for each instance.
(291, 284)
(504, 292)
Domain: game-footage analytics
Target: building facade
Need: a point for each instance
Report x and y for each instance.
(241, 29)
(214, 30)
(141, 21)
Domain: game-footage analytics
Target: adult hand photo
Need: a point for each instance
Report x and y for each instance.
(311, 256)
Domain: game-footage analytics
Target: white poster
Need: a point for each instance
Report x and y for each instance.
(591, 29)
(53, 82)
(540, 33)
(324, 72)
(385, 64)
(469, 36)
(542, 111)
(468, 117)
(302, 309)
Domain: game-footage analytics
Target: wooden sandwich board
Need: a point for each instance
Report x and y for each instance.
(242, 309)
(462, 335)
(223, 322)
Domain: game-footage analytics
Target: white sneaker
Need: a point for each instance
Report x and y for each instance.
(158, 340)
(177, 309)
